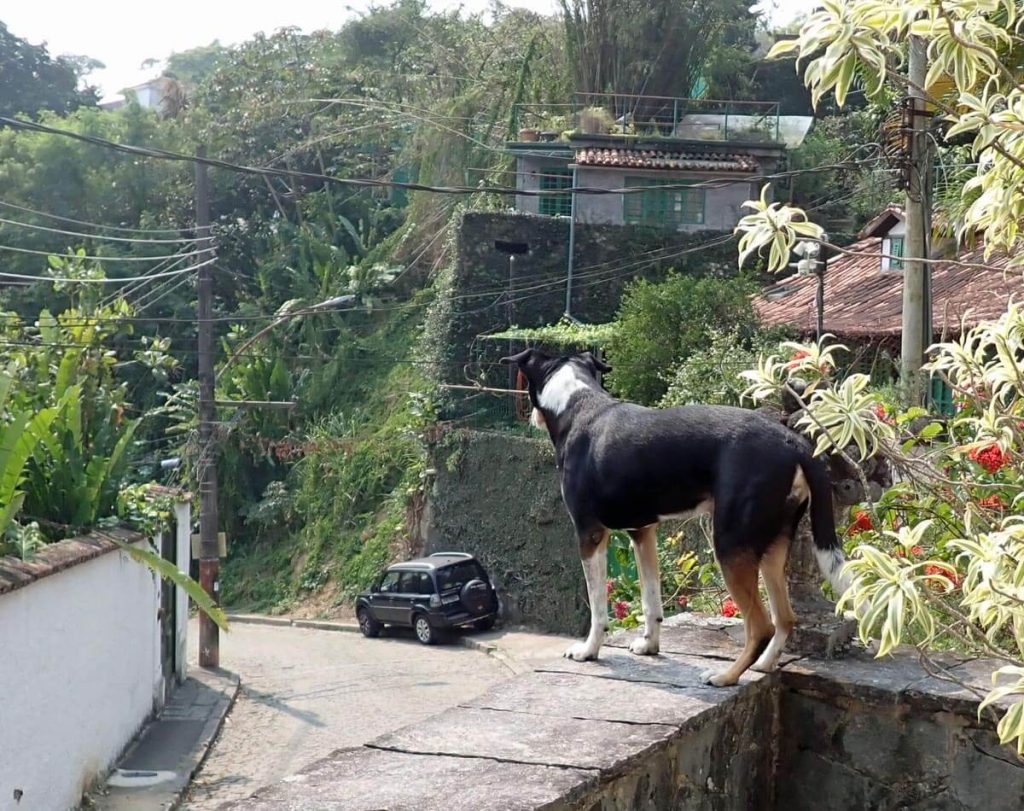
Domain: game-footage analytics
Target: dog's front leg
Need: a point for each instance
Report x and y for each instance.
(594, 554)
(645, 550)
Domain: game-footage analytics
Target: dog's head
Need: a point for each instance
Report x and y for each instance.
(551, 381)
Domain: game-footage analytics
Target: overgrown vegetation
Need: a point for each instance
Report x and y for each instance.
(662, 324)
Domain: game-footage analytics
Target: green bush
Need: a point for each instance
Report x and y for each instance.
(663, 323)
(713, 374)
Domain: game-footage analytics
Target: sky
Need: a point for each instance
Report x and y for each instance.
(124, 33)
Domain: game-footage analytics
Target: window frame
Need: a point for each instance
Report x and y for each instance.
(656, 205)
(398, 579)
(888, 249)
(555, 205)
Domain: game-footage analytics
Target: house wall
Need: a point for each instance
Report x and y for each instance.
(898, 230)
(722, 205)
(530, 169)
(80, 671)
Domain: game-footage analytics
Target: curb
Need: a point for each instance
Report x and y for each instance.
(171, 787)
(211, 730)
(288, 622)
(495, 653)
(487, 648)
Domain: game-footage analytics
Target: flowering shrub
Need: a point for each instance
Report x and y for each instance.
(687, 581)
(938, 559)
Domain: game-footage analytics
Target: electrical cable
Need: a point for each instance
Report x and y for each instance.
(98, 258)
(88, 224)
(104, 238)
(64, 279)
(163, 154)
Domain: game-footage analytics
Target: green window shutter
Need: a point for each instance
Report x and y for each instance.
(942, 397)
(556, 205)
(896, 249)
(662, 207)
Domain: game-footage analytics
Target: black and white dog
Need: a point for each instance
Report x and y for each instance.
(623, 466)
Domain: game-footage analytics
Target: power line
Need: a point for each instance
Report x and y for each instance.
(163, 154)
(88, 224)
(102, 237)
(97, 258)
(107, 281)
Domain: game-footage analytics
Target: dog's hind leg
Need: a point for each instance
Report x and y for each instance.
(773, 568)
(594, 554)
(740, 572)
(645, 550)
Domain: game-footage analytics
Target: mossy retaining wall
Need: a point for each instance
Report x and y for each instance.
(496, 496)
(480, 292)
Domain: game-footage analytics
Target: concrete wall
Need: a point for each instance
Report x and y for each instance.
(607, 259)
(495, 495)
(80, 671)
(530, 169)
(721, 204)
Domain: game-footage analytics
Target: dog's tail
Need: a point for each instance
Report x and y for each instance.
(827, 547)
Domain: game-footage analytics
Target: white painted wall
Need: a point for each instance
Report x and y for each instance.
(899, 229)
(183, 541)
(80, 673)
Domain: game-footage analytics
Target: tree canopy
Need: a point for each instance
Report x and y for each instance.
(32, 81)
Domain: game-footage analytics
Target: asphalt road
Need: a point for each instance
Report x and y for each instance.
(306, 693)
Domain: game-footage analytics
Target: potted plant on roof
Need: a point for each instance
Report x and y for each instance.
(596, 120)
(529, 134)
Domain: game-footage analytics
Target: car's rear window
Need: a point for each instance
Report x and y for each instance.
(458, 574)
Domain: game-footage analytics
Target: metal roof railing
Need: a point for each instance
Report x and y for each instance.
(629, 114)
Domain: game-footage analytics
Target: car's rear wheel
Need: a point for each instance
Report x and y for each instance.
(367, 624)
(485, 624)
(425, 632)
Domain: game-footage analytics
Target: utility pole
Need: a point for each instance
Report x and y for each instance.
(916, 274)
(572, 246)
(209, 559)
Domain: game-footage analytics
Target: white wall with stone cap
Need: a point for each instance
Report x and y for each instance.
(80, 672)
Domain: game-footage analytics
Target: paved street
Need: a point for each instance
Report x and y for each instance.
(306, 693)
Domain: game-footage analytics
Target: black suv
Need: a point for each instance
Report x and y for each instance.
(431, 595)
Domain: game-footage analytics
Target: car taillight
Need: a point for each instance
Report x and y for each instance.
(435, 601)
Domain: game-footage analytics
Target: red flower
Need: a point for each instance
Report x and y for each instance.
(951, 574)
(882, 414)
(797, 356)
(900, 552)
(990, 457)
(621, 608)
(610, 587)
(861, 523)
(993, 502)
(681, 601)
(916, 551)
(729, 608)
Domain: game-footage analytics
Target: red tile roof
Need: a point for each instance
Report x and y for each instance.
(861, 300)
(660, 159)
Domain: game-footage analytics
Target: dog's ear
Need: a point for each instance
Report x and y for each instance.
(595, 363)
(521, 359)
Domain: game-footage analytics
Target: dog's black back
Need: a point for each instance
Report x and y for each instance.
(625, 467)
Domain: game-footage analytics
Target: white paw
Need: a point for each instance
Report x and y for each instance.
(716, 678)
(643, 646)
(766, 664)
(580, 652)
